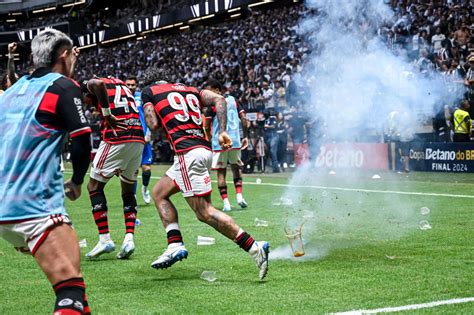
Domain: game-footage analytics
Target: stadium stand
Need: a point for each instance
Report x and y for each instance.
(257, 54)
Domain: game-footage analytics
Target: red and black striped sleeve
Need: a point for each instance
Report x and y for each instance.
(61, 108)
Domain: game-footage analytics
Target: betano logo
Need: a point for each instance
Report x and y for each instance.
(340, 158)
(438, 154)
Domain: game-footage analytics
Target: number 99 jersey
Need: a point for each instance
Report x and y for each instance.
(179, 109)
(122, 105)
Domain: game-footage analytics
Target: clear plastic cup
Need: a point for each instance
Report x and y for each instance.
(424, 225)
(83, 243)
(204, 240)
(296, 243)
(425, 210)
(209, 276)
(262, 223)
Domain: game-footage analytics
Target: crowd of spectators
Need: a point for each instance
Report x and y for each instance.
(93, 16)
(257, 59)
(435, 35)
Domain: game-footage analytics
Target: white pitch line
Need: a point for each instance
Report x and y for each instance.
(408, 307)
(393, 192)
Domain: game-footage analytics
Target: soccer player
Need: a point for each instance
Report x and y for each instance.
(132, 84)
(36, 115)
(119, 154)
(177, 108)
(220, 157)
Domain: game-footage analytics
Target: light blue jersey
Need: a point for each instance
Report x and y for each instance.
(138, 100)
(233, 125)
(31, 183)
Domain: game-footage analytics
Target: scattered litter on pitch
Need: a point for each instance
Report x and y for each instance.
(307, 214)
(204, 240)
(425, 210)
(424, 225)
(83, 243)
(376, 176)
(209, 276)
(258, 181)
(262, 223)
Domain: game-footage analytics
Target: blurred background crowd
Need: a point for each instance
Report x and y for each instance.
(259, 60)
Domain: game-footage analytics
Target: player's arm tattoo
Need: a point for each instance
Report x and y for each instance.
(209, 99)
(150, 117)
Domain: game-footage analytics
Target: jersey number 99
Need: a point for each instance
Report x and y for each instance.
(181, 103)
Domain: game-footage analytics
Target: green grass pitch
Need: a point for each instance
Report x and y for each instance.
(364, 251)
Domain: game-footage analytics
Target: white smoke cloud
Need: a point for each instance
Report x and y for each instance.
(354, 81)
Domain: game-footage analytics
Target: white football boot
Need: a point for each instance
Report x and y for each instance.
(127, 249)
(227, 206)
(146, 195)
(174, 253)
(241, 201)
(101, 248)
(259, 252)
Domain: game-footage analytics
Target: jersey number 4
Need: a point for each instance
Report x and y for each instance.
(122, 101)
(181, 103)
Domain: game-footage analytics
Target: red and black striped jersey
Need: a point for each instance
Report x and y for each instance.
(61, 106)
(122, 106)
(179, 110)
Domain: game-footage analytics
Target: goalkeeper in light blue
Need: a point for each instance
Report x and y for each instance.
(235, 118)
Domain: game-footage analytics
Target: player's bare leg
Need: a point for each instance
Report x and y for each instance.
(176, 251)
(226, 225)
(99, 211)
(59, 258)
(222, 185)
(237, 172)
(130, 217)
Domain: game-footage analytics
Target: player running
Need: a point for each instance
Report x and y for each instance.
(36, 115)
(177, 108)
(220, 157)
(132, 84)
(119, 154)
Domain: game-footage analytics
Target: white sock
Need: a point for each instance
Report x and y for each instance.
(172, 226)
(226, 200)
(128, 237)
(240, 197)
(104, 238)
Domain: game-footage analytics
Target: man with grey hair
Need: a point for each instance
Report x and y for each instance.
(36, 115)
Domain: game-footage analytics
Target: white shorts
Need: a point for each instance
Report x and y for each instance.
(221, 159)
(122, 160)
(28, 235)
(190, 172)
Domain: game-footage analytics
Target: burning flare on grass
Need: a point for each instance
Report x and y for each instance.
(354, 81)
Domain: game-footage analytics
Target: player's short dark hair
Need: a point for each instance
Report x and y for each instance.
(154, 74)
(131, 77)
(214, 84)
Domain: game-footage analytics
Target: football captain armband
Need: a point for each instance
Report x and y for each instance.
(106, 111)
